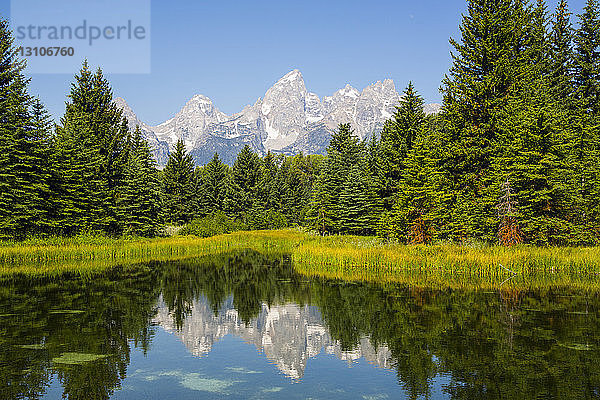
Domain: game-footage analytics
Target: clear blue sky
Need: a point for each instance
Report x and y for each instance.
(233, 51)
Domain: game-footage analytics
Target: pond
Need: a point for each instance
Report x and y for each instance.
(246, 326)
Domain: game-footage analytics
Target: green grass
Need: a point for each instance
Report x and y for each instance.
(479, 266)
(339, 257)
(55, 256)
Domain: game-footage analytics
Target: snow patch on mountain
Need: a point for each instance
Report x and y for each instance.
(288, 119)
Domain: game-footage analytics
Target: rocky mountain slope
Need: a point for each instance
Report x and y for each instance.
(288, 119)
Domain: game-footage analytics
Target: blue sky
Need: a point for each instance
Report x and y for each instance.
(233, 51)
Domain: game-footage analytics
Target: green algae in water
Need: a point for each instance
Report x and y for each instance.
(577, 346)
(77, 358)
(66, 311)
(40, 346)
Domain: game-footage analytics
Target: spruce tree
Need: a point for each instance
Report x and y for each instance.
(295, 182)
(40, 171)
(540, 41)
(584, 144)
(586, 66)
(243, 183)
(499, 52)
(397, 139)
(214, 179)
(178, 178)
(561, 53)
(420, 199)
(139, 205)
(359, 207)
(322, 208)
(267, 192)
(533, 162)
(344, 152)
(25, 145)
(91, 153)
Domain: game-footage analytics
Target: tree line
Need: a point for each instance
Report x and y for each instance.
(512, 157)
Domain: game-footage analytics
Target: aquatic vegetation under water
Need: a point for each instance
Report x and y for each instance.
(77, 358)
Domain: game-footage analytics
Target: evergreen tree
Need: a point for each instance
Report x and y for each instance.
(532, 160)
(582, 146)
(139, 204)
(25, 145)
(498, 54)
(91, 153)
(344, 152)
(397, 139)
(587, 58)
(540, 41)
(359, 207)
(322, 210)
(420, 199)
(40, 171)
(295, 182)
(243, 183)
(178, 178)
(214, 179)
(561, 53)
(268, 197)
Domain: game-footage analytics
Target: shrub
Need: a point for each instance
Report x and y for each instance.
(214, 224)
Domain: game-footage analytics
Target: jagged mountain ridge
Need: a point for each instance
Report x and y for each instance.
(288, 119)
(288, 334)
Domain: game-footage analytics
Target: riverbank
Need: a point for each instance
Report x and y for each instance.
(349, 258)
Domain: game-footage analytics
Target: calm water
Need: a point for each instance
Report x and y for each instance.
(245, 326)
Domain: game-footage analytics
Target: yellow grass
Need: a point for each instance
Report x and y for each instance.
(342, 257)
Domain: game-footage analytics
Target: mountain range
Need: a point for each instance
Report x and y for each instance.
(288, 119)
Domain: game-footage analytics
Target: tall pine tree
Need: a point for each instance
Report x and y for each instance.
(561, 53)
(397, 139)
(178, 178)
(344, 152)
(25, 145)
(243, 184)
(139, 205)
(587, 59)
(91, 153)
(214, 179)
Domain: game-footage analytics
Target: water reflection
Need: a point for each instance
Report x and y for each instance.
(287, 334)
(506, 344)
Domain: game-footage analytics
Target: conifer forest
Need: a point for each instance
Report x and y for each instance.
(513, 157)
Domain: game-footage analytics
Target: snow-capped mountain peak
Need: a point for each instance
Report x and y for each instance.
(287, 119)
(347, 91)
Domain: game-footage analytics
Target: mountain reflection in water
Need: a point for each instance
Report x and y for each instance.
(287, 334)
(80, 332)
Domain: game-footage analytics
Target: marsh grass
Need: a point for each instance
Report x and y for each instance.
(56, 256)
(338, 257)
(475, 266)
